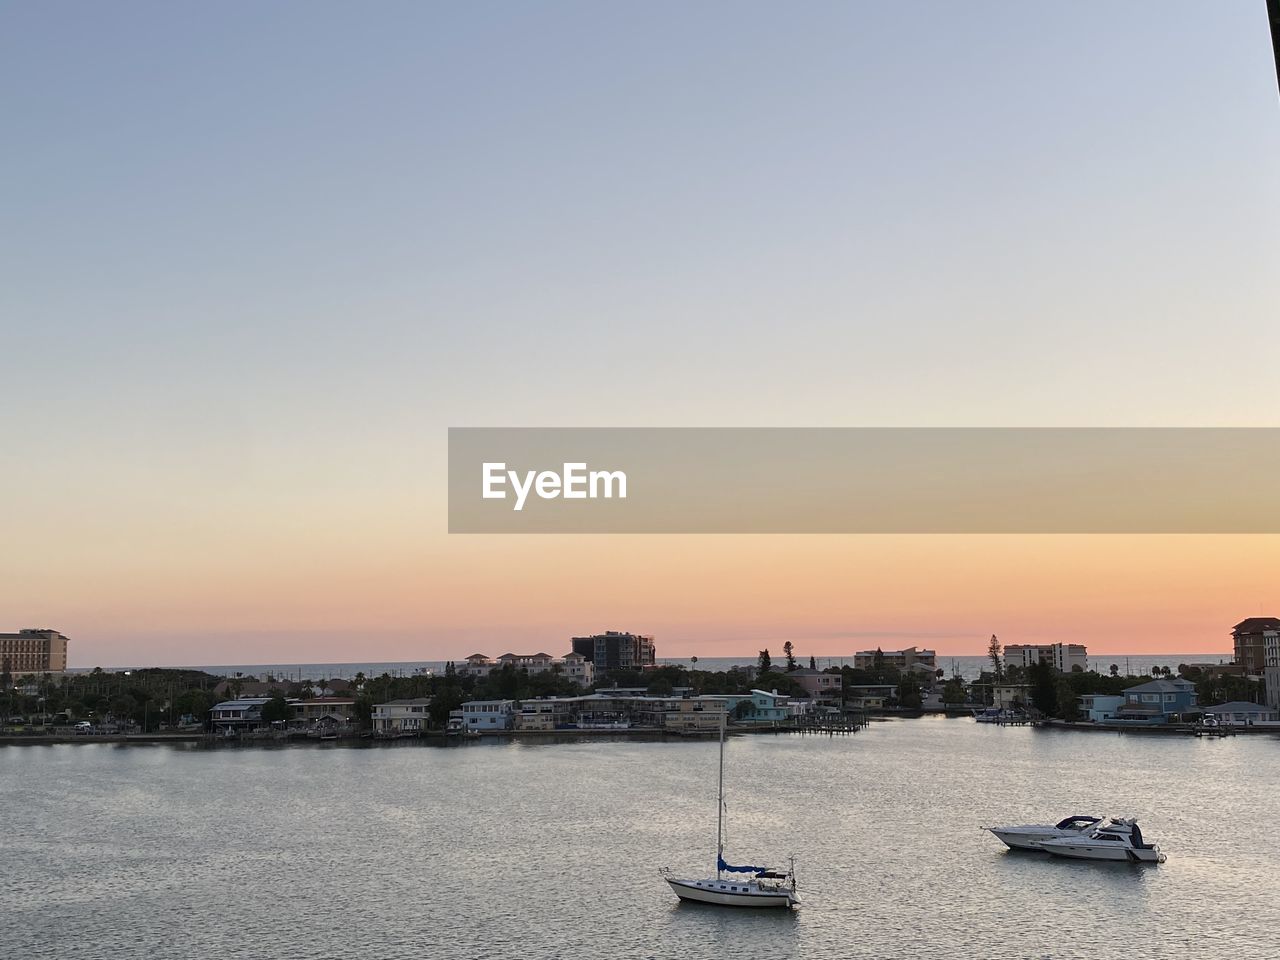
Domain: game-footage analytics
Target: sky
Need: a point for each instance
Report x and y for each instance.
(258, 258)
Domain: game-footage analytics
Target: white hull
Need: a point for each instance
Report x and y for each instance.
(721, 893)
(1023, 841)
(1112, 851)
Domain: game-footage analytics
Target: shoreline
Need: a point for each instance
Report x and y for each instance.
(628, 733)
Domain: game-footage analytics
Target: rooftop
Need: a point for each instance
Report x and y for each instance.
(1256, 625)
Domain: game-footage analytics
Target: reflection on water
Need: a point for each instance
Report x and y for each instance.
(532, 849)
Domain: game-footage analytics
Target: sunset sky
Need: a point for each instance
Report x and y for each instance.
(258, 259)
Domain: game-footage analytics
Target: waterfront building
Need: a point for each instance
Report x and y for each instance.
(33, 650)
(1251, 639)
(616, 650)
(1099, 707)
(1239, 711)
(1157, 700)
(760, 706)
(401, 716)
(323, 712)
(694, 715)
(1010, 696)
(238, 714)
(870, 696)
(821, 687)
(488, 715)
(1064, 657)
(919, 661)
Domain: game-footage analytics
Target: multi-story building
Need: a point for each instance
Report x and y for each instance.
(1064, 657)
(1252, 638)
(401, 716)
(616, 650)
(487, 715)
(579, 668)
(821, 687)
(33, 650)
(574, 666)
(1271, 667)
(1157, 700)
(921, 661)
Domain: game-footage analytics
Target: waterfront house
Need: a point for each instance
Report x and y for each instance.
(694, 715)
(331, 709)
(401, 716)
(870, 696)
(238, 714)
(1099, 707)
(489, 715)
(1241, 712)
(821, 687)
(546, 713)
(1010, 696)
(760, 706)
(1156, 701)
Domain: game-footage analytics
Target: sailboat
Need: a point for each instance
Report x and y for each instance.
(765, 887)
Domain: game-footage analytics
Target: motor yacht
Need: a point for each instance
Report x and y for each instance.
(1030, 836)
(1116, 838)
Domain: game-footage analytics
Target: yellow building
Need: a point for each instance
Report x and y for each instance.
(33, 651)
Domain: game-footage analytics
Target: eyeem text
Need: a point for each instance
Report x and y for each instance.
(574, 482)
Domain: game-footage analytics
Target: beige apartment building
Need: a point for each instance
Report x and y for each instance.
(33, 651)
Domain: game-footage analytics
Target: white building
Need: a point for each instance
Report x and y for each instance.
(1241, 712)
(488, 715)
(401, 716)
(1061, 656)
(574, 665)
(1271, 667)
(918, 661)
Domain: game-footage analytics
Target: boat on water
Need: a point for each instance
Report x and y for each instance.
(758, 887)
(1030, 836)
(1116, 838)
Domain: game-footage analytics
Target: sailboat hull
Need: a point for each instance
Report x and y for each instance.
(727, 893)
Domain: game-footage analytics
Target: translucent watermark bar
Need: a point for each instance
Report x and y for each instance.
(864, 480)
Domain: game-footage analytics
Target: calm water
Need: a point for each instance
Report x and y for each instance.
(552, 849)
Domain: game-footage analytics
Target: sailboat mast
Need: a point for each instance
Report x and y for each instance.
(720, 805)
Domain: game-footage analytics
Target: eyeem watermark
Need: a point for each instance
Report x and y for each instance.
(574, 482)
(864, 480)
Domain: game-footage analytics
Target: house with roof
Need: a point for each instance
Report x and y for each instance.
(1242, 712)
(485, 716)
(240, 714)
(821, 687)
(578, 668)
(760, 706)
(1157, 701)
(401, 717)
(1099, 707)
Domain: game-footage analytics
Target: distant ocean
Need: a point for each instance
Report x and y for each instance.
(967, 667)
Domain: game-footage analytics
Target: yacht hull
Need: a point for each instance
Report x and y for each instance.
(1113, 852)
(1023, 841)
(719, 893)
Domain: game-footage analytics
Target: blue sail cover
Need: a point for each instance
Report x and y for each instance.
(730, 868)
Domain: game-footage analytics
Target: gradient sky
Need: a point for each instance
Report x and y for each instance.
(257, 259)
